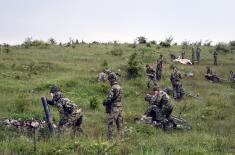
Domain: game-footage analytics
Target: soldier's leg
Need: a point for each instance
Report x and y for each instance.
(119, 123)
(110, 125)
(148, 83)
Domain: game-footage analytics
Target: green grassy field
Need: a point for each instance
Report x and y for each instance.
(27, 74)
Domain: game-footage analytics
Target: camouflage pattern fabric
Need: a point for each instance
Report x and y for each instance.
(215, 58)
(70, 113)
(183, 54)
(198, 51)
(177, 87)
(193, 56)
(159, 69)
(102, 77)
(115, 115)
(150, 77)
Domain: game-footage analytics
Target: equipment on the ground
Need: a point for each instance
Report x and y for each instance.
(47, 114)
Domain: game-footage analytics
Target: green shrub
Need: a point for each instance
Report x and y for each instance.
(117, 52)
(94, 103)
(133, 69)
(222, 47)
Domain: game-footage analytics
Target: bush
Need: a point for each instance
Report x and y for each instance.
(117, 52)
(148, 45)
(165, 44)
(232, 45)
(94, 103)
(142, 40)
(222, 47)
(133, 69)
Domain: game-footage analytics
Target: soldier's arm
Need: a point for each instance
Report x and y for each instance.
(110, 97)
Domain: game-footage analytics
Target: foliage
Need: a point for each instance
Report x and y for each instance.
(133, 69)
(222, 47)
(141, 40)
(94, 103)
(117, 51)
(52, 41)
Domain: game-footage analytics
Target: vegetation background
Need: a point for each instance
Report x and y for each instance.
(28, 71)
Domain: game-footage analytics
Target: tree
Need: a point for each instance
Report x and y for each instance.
(141, 40)
(52, 41)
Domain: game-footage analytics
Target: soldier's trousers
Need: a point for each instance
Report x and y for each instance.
(177, 90)
(73, 122)
(149, 82)
(215, 60)
(158, 74)
(115, 117)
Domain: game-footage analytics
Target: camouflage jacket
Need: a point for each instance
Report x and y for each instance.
(65, 107)
(150, 72)
(175, 77)
(114, 96)
(159, 99)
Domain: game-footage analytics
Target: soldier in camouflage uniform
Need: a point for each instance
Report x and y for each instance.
(113, 106)
(183, 54)
(150, 76)
(160, 108)
(193, 56)
(176, 85)
(198, 51)
(159, 68)
(70, 113)
(215, 58)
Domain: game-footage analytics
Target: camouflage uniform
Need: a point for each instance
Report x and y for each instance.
(211, 76)
(183, 54)
(70, 113)
(177, 87)
(232, 76)
(198, 51)
(159, 68)
(151, 76)
(114, 101)
(215, 58)
(160, 108)
(193, 56)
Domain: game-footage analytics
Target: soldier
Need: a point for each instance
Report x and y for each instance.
(177, 87)
(160, 108)
(113, 106)
(232, 76)
(193, 56)
(70, 113)
(102, 77)
(182, 54)
(198, 51)
(150, 76)
(159, 68)
(215, 58)
(211, 76)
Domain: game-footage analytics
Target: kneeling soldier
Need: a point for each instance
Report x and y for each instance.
(70, 113)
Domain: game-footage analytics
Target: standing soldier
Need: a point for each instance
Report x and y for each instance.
(215, 58)
(114, 106)
(193, 56)
(70, 113)
(183, 54)
(198, 51)
(159, 68)
(151, 76)
(177, 87)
